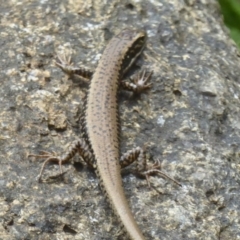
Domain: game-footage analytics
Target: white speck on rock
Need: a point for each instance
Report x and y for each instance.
(160, 120)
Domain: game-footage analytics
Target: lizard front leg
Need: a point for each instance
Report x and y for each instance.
(138, 83)
(66, 65)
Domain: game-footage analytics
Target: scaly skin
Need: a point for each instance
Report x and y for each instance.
(101, 119)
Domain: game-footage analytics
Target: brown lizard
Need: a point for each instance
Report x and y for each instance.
(99, 146)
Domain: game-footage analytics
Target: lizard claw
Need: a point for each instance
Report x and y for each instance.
(43, 154)
(154, 169)
(50, 157)
(141, 81)
(64, 62)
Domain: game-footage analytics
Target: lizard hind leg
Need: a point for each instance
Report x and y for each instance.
(79, 146)
(138, 155)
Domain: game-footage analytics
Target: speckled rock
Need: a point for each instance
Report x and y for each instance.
(190, 120)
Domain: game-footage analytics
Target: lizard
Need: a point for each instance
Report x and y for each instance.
(99, 145)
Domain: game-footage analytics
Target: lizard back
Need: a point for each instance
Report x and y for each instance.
(101, 120)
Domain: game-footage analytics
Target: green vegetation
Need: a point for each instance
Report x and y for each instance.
(231, 13)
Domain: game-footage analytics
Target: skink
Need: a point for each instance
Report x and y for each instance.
(99, 145)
